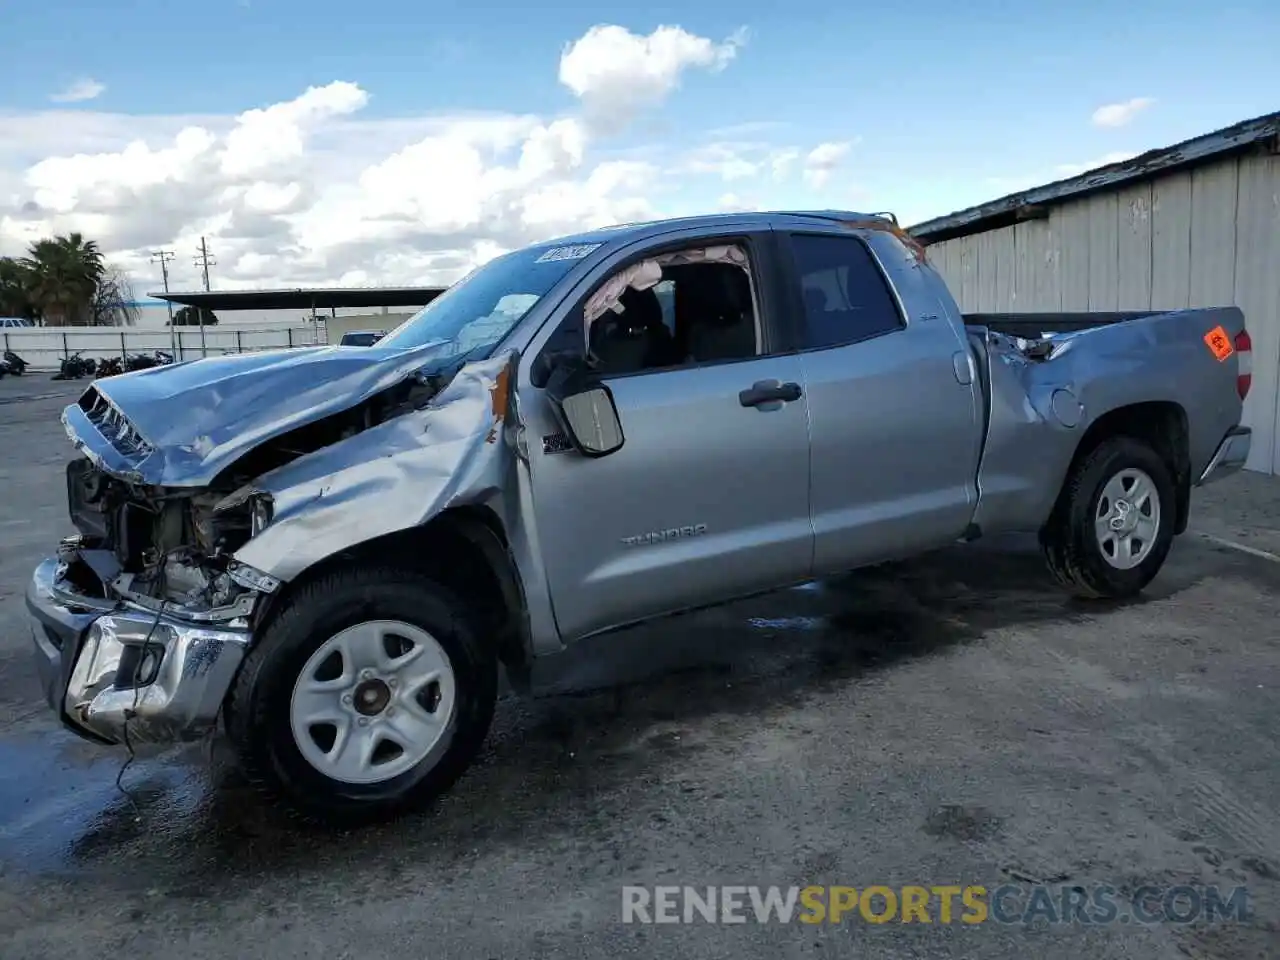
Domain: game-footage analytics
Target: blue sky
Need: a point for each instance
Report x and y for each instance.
(944, 104)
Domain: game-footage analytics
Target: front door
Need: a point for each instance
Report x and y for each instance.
(708, 498)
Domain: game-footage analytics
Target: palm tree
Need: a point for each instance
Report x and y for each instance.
(15, 290)
(65, 274)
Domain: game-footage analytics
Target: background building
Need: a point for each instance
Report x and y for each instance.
(1196, 224)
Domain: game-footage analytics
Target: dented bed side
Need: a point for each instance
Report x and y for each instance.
(1045, 395)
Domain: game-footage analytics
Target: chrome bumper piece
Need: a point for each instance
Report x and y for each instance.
(113, 671)
(1230, 455)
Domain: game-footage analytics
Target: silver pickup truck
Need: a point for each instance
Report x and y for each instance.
(334, 552)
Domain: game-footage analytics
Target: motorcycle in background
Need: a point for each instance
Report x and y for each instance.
(109, 367)
(144, 361)
(114, 366)
(12, 363)
(74, 367)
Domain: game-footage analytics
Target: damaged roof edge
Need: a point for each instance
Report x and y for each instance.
(1260, 132)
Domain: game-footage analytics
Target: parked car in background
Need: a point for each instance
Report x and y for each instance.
(361, 338)
(10, 322)
(333, 551)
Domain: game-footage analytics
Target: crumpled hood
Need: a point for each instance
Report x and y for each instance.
(201, 416)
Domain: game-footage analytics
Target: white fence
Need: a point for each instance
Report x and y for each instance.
(44, 347)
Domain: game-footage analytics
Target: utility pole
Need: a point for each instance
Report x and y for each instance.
(204, 261)
(163, 257)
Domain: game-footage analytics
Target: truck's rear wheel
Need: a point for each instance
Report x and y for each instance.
(365, 698)
(1112, 527)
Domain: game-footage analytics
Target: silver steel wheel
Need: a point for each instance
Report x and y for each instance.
(373, 702)
(1127, 518)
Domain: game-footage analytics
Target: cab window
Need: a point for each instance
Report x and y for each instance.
(682, 308)
(846, 297)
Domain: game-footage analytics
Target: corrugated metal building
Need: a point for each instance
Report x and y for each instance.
(1192, 225)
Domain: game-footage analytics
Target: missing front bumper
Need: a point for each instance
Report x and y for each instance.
(115, 673)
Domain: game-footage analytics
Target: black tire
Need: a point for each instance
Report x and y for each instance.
(1070, 544)
(257, 716)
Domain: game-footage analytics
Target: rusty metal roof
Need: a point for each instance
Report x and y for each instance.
(1260, 133)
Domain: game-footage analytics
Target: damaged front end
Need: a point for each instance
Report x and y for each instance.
(143, 618)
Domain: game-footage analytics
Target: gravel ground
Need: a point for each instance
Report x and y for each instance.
(953, 720)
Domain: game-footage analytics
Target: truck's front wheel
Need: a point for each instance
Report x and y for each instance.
(1112, 527)
(365, 698)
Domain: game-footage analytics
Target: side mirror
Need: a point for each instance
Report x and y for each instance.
(585, 410)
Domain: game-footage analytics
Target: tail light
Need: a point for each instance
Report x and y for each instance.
(1244, 368)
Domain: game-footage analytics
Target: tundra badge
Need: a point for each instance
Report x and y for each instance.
(662, 536)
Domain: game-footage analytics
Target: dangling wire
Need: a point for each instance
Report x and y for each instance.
(137, 691)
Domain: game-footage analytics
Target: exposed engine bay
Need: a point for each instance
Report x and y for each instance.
(174, 546)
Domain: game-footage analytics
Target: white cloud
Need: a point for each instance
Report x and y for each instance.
(267, 137)
(1120, 114)
(781, 162)
(732, 203)
(84, 89)
(734, 162)
(728, 161)
(1063, 171)
(616, 73)
(823, 160)
(313, 191)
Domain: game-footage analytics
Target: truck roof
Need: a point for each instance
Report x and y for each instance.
(654, 228)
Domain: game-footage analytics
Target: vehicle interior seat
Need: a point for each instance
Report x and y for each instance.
(635, 339)
(714, 313)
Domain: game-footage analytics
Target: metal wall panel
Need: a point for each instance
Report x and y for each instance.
(1071, 225)
(1028, 253)
(988, 265)
(1210, 237)
(1005, 242)
(968, 273)
(1213, 235)
(1257, 292)
(940, 257)
(1104, 251)
(1171, 242)
(1133, 248)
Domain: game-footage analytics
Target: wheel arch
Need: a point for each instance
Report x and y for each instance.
(1162, 424)
(464, 549)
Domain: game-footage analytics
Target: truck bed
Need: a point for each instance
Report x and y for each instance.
(1021, 369)
(1032, 325)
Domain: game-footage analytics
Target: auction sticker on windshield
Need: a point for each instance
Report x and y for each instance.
(1219, 343)
(575, 252)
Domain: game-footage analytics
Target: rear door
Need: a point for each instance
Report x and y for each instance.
(893, 411)
(708, 499)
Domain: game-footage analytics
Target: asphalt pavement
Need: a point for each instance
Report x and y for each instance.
(949, 721)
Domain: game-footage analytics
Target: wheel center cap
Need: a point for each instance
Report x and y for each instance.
(1124, 518)
(371, 697)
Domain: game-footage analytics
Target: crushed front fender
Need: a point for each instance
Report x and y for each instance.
(391, 477)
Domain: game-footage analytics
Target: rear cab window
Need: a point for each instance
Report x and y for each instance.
(845, 297)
